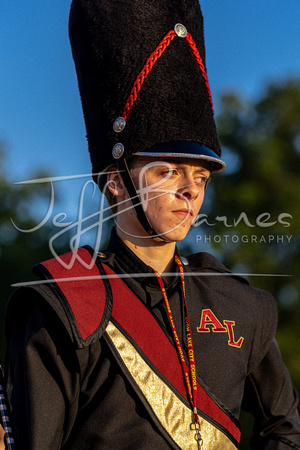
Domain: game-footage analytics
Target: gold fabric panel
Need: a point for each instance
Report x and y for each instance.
(174, 416)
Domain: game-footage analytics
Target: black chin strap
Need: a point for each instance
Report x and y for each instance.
(136, 201)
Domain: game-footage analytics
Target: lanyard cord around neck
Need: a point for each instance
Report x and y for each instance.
(190, 375)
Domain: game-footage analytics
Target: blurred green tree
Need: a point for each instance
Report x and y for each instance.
(262, 138)
(19, 251)
(23, 207)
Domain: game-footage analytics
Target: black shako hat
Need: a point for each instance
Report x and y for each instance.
(142, 79)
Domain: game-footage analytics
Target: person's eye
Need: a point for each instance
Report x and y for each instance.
(202, 180)
(170, 172)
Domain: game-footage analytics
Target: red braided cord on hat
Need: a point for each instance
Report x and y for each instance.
(150, 63)
(145, 71)
(201, 65)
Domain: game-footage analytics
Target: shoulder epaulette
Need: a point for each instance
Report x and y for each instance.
(206, 262)
(81, 285)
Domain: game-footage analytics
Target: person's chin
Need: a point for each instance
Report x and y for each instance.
(175, 235)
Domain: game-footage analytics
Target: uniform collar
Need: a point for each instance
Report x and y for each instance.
(130, 263)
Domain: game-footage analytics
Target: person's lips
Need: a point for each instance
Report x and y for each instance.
(184, 212)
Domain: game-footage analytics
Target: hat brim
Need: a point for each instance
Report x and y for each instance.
(185, 149)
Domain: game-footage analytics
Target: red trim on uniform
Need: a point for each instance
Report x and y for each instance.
(132, 315)
(145, 71)
(84, 293)
(201, 65)
(152, 60)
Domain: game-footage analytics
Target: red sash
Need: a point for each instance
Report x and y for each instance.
(86, 296)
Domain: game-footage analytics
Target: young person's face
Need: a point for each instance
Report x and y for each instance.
(172, 192)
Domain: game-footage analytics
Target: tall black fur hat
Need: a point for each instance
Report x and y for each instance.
(142, 62)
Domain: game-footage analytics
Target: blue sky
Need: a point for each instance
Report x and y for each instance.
(249, 43)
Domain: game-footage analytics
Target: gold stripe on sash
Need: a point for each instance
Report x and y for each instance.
(174, 416)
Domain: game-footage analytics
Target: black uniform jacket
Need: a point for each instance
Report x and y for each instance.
(65, 397)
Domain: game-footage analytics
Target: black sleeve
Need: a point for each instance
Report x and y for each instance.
(270, 398)
(43, 373)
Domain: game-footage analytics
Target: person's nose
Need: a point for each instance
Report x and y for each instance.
(188, 188)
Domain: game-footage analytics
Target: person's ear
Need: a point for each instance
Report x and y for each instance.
(115, 183)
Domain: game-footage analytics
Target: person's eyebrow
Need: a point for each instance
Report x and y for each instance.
(199, 169)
